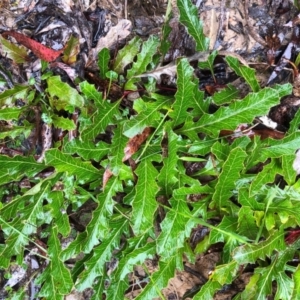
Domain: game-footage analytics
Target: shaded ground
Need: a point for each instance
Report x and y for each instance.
(259, 36)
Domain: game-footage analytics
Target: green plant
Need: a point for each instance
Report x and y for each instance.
(253, 213)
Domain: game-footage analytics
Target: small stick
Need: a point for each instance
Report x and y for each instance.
(125, 10)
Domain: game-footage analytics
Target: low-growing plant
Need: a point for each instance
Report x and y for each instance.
(139, 177)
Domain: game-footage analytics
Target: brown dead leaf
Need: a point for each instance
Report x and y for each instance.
(71, 72)
(264, 133)
(107, 174)
(114, 35)
(134, 143)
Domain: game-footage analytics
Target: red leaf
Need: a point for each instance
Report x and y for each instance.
(37, 48)
(292, 236)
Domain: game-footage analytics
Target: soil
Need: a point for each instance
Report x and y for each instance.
(259, 36)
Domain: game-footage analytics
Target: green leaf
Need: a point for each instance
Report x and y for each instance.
(251, 287)
(176, 226)
(165, 43)
(249, 201)
(16, 53)
(135, 257)
(228, 225)
(185, 88)
(19, 231)
(230, 173)
(247, 73)
(194, 189)
(117, 290)
(48, 289)
(60, 274)
(225, 274)
(86, 149)
(116, 153)
(103, 117)
(289, 174)
(126, 55)
(202, 147)
(167, 177)
(189, 18)
(144, 202)
(98, 227)
(14, 168)
(254, 104)
(199, 104)
(72, 50)
(294, 124)
(62, 95)
(9, 210)
(209, 63)
(159, 279)
(285, 209)
(103, 61)
(296, 278)
(56, 279)
(226, 95)
(267, 175)
(221, 150)
(148, 116)
(250, 253)
(278, 148)
(208, 290)
(59, 212)
(15, 132)
(19, 295)
(10, 113)
(246, 223)
(276, 271)
(285, 286)
(99, 289)
(226, 232)
(9, 96)
(73, 166)
(63, 123)
(91, 92)
(264, 284)
(144, 57)
(101, 255)
(111, 75)
(73, 249)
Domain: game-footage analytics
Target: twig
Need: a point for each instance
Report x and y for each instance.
(125, 10)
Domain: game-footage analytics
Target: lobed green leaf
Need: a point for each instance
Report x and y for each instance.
(103, 61)
(144, 202)
(103, 117)
(189, 18)
(250, 253)
(75, 166)
(159, 279)
(230, 173)
(184, 93)
(126, 55)
(247, 73)
(62, 95)
(243, 111)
